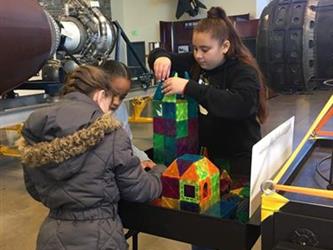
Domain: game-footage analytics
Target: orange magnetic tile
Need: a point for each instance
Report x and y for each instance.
(172, 170)
(190, 174)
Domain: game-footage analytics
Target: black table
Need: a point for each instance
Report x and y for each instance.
(195, 228)
(304, 222)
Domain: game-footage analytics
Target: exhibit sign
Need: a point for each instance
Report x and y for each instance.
(268, 156)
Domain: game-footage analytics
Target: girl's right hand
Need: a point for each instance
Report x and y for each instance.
(162, 68)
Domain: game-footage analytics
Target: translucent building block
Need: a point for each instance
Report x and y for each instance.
(197, 180)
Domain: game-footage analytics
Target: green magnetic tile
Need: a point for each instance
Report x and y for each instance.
(201, 172)
(158, 158)
(157, 107)
(169, 98)
(182, 129)
(158, 141)
(201, 164)
(216, 179)
(170, 142)
(183, 197)
(181, 110)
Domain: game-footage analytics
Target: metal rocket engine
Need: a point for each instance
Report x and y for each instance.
(32, 38)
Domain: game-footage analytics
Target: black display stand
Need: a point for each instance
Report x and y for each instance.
(185, 226)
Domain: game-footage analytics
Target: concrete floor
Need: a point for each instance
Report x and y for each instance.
(20, 215)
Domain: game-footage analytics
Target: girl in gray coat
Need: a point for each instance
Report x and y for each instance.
(78, 162)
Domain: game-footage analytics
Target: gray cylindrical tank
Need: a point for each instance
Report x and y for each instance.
(25, 41)
(294, 44)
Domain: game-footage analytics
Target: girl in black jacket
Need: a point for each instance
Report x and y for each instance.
(228, 85)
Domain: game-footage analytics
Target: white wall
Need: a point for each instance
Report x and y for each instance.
(117, 10)
(140, 18)
(261, 4)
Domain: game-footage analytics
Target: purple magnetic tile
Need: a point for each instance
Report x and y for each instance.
(181, 150)
(181, 146)
(158, 125)
(183, 166)
(192, 127)
(170, 187)
(170, 127)
(193, 145)
(188, 206)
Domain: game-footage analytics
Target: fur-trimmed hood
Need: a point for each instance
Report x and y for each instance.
(61, 149)
(54, 136)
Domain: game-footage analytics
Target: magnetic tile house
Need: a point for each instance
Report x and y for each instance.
(175, 125)
(191, 182)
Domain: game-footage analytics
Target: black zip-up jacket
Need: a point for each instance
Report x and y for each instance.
(230, 128)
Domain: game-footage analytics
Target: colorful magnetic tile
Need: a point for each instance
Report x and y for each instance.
(158, 141)
(158, 93)
(169, 149)
(182, 146)
(191, 158)
(185, 185)
(201, 168)
(170, 144)
(170, 127)
(189, 191)
(183, 165)
(181, 129)
(169, 203)
(193, 146)
(170, 98)
(159, 156)
(223, 209)
(181, 110)
(196, 179)
(172, 170)
(205, 189)
(169, 110)
(170, 187)
(190, 174)
(193, 126)
(158, 125)
(188, 206)
(157, 108)
(168, 157)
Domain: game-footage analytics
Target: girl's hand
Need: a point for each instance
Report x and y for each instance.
(174, 85)
(148, 164)
(162, 67)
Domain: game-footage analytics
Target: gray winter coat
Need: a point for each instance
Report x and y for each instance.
(79, 163)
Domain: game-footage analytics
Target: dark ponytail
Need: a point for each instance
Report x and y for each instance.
(219, 25)
(116, 69)
(217, 12)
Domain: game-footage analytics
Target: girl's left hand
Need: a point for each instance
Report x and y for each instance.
(174, 85)
(147, 164)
